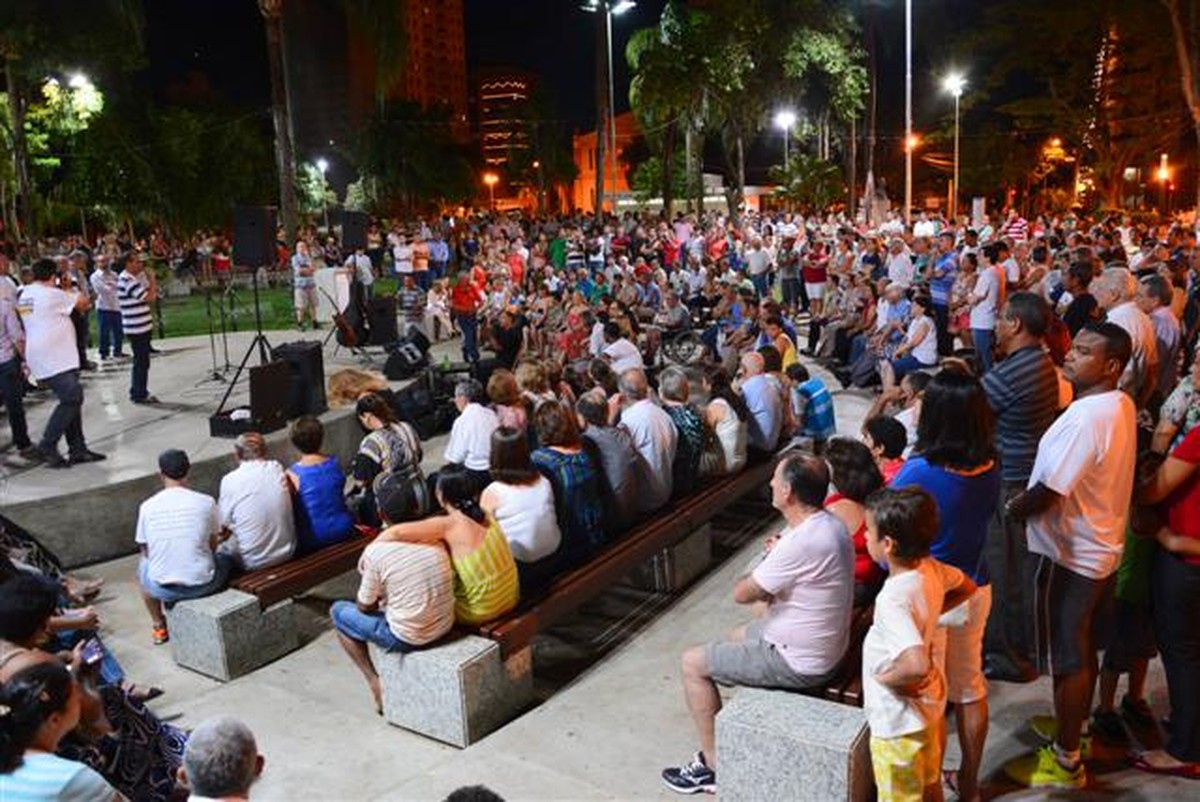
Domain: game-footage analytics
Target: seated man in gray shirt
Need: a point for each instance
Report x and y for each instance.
(623, 467)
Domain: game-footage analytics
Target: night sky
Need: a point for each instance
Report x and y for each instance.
(223, 40)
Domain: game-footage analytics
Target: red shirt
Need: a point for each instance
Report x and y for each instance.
(465, 298)
(1183, 506)
(866, 570)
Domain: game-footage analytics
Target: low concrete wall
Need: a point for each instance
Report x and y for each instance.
(98, 523)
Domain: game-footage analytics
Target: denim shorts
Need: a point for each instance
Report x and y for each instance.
(169, 594)
(366, 627)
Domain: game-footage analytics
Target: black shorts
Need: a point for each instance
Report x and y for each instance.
(1071, 613)
(1131, 637)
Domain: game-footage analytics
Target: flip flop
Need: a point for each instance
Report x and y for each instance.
(143, 694)
(950, 780)
(1188, 771)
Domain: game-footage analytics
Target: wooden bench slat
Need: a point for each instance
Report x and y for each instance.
(273, 585)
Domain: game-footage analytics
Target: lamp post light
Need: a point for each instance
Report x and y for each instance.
(1164, 178)
(785, 119)
(323, 166)
(490, 179)
(610, 8)
(954, 84)
(908, 117)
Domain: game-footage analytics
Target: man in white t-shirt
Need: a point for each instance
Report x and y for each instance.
(52, 357)
(178, 533)
(806, 580)
(255, 505)
(985, 303)
(402, 255)
(471, 435)
(619, 351)
(900, 268)
(1076, 508)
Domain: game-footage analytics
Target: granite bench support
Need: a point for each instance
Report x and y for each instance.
(229, 634)
(774, 745)
(678, 565)
(457, 691)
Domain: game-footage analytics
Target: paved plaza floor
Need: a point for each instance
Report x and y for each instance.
(611, 714)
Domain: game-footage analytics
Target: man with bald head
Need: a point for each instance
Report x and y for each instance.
(255, 507)
(764, 402)
(654, 436)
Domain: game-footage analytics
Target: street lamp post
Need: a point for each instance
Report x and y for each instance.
(908, 121)
(785, 119)
(323, 166)
(955, 84)
(610, 8)
(490, 179)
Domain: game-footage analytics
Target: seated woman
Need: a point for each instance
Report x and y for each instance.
(41, 705)
(853, 471)
(576, 482)
(521, 501)
(391, 450)
(727, 416)
(117, 735)
(486, 584)
(318, 483)
(919, 348)
(510, 407)
(673, 386)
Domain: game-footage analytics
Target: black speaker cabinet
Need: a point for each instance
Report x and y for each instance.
(354, 231)
(253, 236)
(270, 385)
(306, 384)
(381, 318)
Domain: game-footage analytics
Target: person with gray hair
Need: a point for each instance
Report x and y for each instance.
(764, 402)
(1154, 297)
(1114, 290)
(221, 760)
(255, 505)
(653, 434)
(471, 435)
(674, 388)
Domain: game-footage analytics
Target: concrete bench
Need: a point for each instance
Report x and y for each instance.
(229, 634)
(242, 629)
(775, 745)
(457, 691)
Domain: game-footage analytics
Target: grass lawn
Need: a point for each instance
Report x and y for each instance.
(189, 315)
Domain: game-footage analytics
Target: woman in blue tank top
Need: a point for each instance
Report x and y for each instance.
(322, 518)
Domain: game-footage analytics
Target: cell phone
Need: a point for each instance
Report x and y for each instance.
(93, 652)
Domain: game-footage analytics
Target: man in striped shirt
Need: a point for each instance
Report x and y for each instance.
(136, 290)
(1023, 392)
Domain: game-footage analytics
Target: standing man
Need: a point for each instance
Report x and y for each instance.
(136, 290)
(304, 286)
(465, 301)
(361, 269)
(806, 581)
(941, 285)
(12, 378)
(53, 361)
(1115, 289)
(75, 276)
(105, 289)
(1076, 509)
(1022, 390)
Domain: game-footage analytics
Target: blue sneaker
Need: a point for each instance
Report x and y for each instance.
(693, 778)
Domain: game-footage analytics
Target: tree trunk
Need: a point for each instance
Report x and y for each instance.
(18, 100)
(873, 65)
(1186, 56)
(852, 162)
(668, 169)
(601, 106)
(285, 156)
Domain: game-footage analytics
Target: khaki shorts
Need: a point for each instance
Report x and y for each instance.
(958, 649)
(755, 663)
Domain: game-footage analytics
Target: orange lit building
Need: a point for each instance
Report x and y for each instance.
(501, 104)
(435, 69)
(584, 148)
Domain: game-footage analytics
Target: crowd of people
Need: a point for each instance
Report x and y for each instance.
(1022, 496)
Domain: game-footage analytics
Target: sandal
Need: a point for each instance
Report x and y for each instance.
(143, 694)
(1188, 771)
(950, 780)
(161, 635)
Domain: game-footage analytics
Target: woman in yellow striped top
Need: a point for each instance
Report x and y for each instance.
(485, 575)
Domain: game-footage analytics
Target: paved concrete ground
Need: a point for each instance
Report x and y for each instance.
(612, 714)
